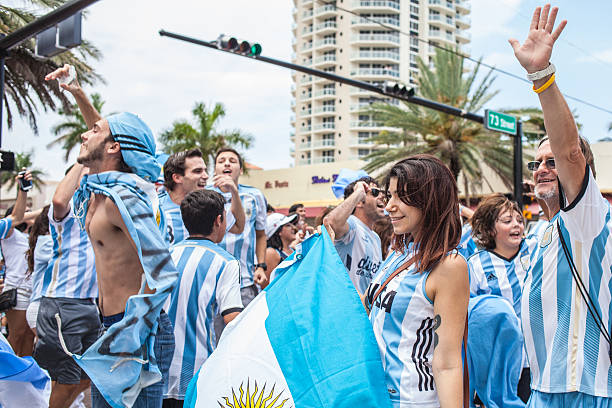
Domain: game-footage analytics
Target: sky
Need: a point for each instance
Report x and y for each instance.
(161, 79)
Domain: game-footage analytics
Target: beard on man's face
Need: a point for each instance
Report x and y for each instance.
(92, 156)
(546, 195)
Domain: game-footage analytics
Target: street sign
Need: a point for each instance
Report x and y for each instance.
(500, 122)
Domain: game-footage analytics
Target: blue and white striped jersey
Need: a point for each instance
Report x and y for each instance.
(491, 273)
(71, 273)
(5, 226)
(209, 283)
(175, 229)
(403, 321)
(566, 351)
(242, 246)
(467, 245)
(360, 252)
(42, 255)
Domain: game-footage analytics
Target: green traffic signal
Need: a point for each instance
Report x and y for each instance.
(255, 50)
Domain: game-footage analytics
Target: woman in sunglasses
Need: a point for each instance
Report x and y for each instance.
(418, 299)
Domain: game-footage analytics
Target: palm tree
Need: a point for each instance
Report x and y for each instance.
(25, 85)
(463, 145)
(22, 160)
(69, 132)
(204, 135)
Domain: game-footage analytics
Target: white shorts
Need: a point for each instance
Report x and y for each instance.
(23, 297)
(32, 313)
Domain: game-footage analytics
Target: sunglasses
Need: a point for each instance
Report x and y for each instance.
(534, 165)
(375, 191)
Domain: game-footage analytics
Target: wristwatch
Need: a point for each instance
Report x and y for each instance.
(534, 76)
(262, 266)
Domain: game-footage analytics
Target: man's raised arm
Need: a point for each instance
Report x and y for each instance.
(534, 55)
(90, 114)
(338, 218)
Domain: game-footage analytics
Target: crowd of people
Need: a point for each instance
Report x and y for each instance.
(120, 272)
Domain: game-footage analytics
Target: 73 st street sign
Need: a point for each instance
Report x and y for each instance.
(500, 122)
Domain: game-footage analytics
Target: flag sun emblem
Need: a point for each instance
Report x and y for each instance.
(255, 400)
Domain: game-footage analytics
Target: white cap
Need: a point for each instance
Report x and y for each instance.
(276, 220)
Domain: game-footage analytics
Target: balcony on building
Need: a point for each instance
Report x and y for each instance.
(375, 22)
(383, 56)
(325, 94)
(323, 144)
(375, 73)
(327, 10)
(325, 109)
(326, 27)
(376, 39)
(323, 127)
(463, 20)
(442, 5)
(379, 5)
(325, 44)
(323, 159)
(463, 37)
(463, 6)
(366, 124)
(304, 162)
(324, 61)
(305, 112)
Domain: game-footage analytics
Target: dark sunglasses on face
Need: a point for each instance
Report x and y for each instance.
(534, 165)
(375, 191)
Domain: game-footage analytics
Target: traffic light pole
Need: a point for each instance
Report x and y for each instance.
(440, 107)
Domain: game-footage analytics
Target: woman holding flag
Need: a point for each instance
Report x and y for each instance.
(418, 300)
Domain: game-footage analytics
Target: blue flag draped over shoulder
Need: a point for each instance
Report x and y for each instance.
(122, 361)
(305, 341)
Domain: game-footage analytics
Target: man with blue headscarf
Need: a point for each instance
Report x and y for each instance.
(118, 206)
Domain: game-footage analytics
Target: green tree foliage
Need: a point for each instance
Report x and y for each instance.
(204, 135)
(22, 160)
(25, 87)
(463, 145)
(69, 132)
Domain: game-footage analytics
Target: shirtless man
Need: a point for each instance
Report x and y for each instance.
(122, 219)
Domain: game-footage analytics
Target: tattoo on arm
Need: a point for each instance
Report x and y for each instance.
(437, 322)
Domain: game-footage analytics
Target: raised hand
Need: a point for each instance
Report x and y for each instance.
(534, 54)
(63, 72)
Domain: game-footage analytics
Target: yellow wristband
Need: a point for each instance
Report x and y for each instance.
(545, 86)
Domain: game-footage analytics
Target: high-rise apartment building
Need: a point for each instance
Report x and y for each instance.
(329, 120)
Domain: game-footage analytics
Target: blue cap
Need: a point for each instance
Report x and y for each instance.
(346, 177)
(137, 144)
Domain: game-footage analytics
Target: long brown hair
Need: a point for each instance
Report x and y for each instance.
(40, 227)
(424, 182)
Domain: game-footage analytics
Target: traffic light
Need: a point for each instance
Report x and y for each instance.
(398, 90)
(238, 46)
(57, 39)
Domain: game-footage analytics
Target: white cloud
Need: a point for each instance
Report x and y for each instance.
(492, 17)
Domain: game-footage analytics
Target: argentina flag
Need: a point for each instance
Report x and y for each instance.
(305, 341)
(23, 384)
